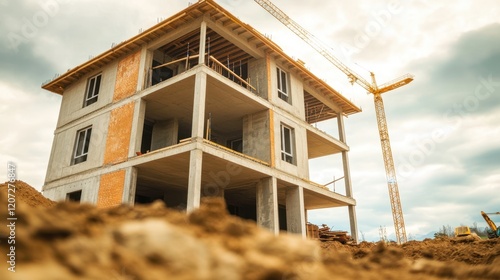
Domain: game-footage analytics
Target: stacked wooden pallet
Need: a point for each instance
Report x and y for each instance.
(325, 234)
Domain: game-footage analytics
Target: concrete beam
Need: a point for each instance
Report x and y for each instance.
(267, 204)
(194, 181)
(234, 38)
(174, 34)
(295, 213)
(323, 98)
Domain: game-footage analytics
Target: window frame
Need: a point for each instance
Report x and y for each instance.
(92, 90)
(80, 151)
(287, 156)
(234, 143)
(283, 86)
(74, 196)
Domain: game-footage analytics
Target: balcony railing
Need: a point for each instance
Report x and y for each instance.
(218, 67)
(213, 63)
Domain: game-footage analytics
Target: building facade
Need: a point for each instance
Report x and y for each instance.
(201, 104)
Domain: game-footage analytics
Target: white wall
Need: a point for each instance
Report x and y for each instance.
(63, 148)
(301, 166)
(89, 188)
(296, 109)
(74, 96)
(296, 92)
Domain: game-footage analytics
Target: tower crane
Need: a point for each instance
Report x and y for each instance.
(373, 88)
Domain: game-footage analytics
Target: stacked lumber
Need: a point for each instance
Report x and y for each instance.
(325, 234)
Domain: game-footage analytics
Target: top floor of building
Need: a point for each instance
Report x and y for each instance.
(204, 35)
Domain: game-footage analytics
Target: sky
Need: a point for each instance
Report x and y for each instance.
(444, 126)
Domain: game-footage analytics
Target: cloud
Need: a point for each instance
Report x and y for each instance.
(28, 122)
(441, 157)
(461, 81)
(443, 130)
(484, 162)
(25, 68)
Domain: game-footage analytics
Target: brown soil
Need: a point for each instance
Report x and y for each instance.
(73, 241)
(466, 250)
(27, 194)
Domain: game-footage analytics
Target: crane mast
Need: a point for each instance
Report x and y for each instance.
(324, 50)
(397, 211)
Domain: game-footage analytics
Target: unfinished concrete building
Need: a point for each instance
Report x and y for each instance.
(201, 104)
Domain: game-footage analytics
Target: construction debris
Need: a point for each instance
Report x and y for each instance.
(325, 234)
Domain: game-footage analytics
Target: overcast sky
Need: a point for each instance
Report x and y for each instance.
(444, 126)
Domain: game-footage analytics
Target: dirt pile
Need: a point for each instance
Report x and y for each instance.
(26, 193)
(466, 250)
(73, 241)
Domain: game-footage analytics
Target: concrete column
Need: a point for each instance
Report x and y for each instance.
(295, 214)
(267, 204)
(203, 40)
(137, 127)
(129, 186)
(196, 156)
(272, 146)
(200, 91)
(345, 157)
(354, 223)
(194, 181)
(347, 179)
(143, 69)
(340, 123)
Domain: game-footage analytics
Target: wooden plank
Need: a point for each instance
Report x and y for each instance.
(176, 61)
(232, 73)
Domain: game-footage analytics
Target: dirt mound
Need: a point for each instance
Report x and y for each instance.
(466, 250)
(74, 241)
(27, 194)
(462, 249)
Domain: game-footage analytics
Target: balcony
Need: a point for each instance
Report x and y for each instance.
(182, 54)
(234, 118)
